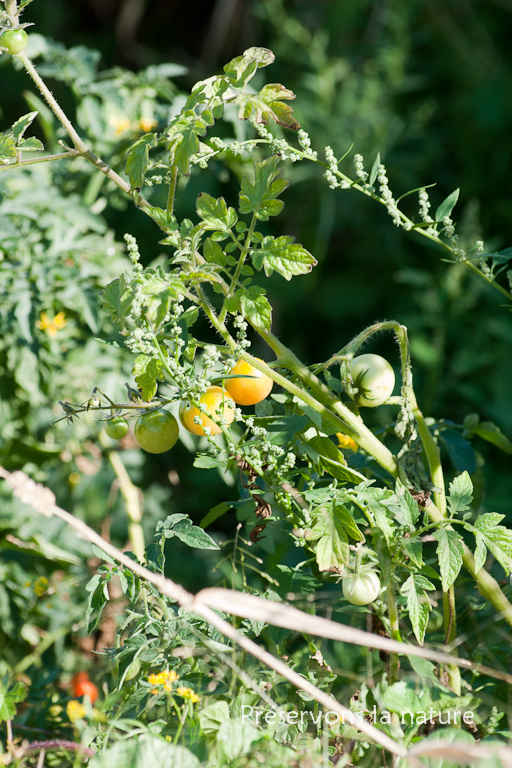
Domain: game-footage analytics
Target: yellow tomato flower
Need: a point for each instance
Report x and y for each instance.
(146, 124)
(75, 710)
(344, 441)
(119, 123)
(163, 678)
(188, 693)
(51, 325)
(40, 586)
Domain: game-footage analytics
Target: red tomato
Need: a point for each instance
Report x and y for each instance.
(82, 686)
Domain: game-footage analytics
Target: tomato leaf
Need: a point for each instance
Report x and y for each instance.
(137, 159)
(253, 305)
(9, 697)
(213, 253)
(116, 299)
(418, 605)
(98, 597)
(403, 506)
(332, 461)
(461, 494)
(281, 431)
(459, 450)
(163, 218)
(328, 530)
(180, 525)
(284, 256)
(215, 213)
(449, 555)
(242, 68)
(447, 206)
(144, 750)
(413, 548)
(148, 372)
(490, 432)
(267, 105)
(259, 197)
(183, 138)
(22, 123)
(7, 145)
(212, 716)
(496, 538)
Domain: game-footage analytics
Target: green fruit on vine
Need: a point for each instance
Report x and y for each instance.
(156, 431)
(117, 427)
(374, 378)
(14, 41)
(435, 621)
(361, 589)
(133, 670)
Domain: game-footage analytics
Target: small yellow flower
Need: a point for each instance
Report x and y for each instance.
(75, 710)
(40, 586)
(119, 124)
(344, 441)
(188, 693)
(163, 678)
(51, 325)
(146, 124)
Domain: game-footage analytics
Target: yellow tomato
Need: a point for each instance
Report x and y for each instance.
(217, 403)
(248, 391)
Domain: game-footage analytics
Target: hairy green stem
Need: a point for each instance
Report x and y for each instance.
(241, 260)
(45, 159)
(172, 188)
(395, 631)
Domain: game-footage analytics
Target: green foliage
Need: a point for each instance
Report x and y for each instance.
(77, 317)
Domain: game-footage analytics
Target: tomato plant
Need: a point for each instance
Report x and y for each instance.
(248, 391)
(117, 427)
(216, 403)
(156, 431)
(374, 378)
(361, 588)
(14, 41)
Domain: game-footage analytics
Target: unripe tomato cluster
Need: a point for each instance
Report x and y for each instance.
(157, 431)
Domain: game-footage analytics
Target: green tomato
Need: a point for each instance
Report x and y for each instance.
(374, 378)
(133, 670)
(435, 621)
(361, 589)
(117, 427)
(14, 41)
(156, 431)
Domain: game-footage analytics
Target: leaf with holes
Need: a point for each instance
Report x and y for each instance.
(284, 256)
(267, 106)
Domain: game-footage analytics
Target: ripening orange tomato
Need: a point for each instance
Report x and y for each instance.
(82, 686)
(248, 391)
(218, 404)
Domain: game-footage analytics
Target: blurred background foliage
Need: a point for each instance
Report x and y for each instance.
(426, 84)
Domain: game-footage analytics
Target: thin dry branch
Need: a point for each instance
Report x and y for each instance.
(236, 603)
